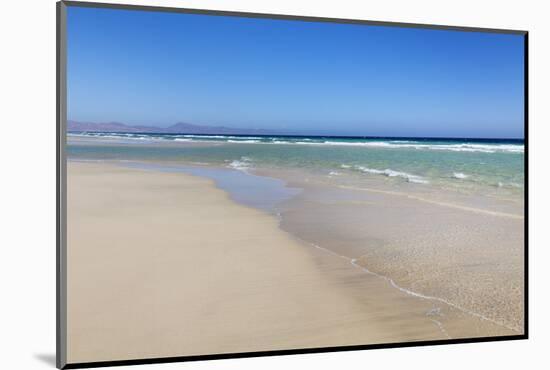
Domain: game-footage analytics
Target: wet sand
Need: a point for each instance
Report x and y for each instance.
(166, 264)
(465, 254)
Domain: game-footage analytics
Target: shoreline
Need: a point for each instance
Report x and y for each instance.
(362, 261)
(356, 282)
(302, 298)
(425, 247)
(142, 300)
(392, 276)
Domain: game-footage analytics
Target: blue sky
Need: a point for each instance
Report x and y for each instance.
(154, 68)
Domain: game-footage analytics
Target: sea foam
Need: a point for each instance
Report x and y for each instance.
(242, 164)
(317, 141)
(390, 173)
(460, 175)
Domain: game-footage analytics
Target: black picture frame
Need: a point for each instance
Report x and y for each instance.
(61, 186)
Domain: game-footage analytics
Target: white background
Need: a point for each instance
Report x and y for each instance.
(27, 204)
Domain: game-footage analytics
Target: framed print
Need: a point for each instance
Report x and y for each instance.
(234, 184)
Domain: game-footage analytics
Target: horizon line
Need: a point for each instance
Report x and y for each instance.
(269, 132)
(302, 135)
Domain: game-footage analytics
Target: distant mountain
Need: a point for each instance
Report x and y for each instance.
(178, 128)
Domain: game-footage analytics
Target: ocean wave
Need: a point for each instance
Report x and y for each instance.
(205, 136)
(384, 144)
(404, 144)
(464, 147)
(460, 175)
(242, 164)
(391, 173)
(482, 148)
(244, 141)
(228, 137)
(118, 136)
(123, 136)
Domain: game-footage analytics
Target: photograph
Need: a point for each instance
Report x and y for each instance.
(241, 184)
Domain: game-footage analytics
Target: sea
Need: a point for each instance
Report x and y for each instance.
(486, 166)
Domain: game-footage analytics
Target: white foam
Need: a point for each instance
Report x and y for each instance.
(244, 141)
(460, 175)
(464, 147)
(391, 173)
(242, 164)
(205, 136)
(242, 138)
(390, 144)
(399, 144)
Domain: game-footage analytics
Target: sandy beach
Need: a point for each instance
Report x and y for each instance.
(164, 264)
(306, 193)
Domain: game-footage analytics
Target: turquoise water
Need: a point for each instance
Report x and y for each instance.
(456, 163)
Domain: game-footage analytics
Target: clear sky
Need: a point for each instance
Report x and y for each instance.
(154, 68)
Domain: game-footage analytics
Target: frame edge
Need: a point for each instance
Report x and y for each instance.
(61, 185)
(292, 17)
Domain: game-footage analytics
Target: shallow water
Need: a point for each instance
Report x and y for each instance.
(462, 257)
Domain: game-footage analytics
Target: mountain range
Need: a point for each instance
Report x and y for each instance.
(178, 128)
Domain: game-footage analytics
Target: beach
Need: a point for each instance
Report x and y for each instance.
(330, 185)
(166, 264)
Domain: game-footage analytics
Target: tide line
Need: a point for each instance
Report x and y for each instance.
(443, 204)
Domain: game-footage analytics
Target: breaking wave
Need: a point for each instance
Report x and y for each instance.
(390, 173)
